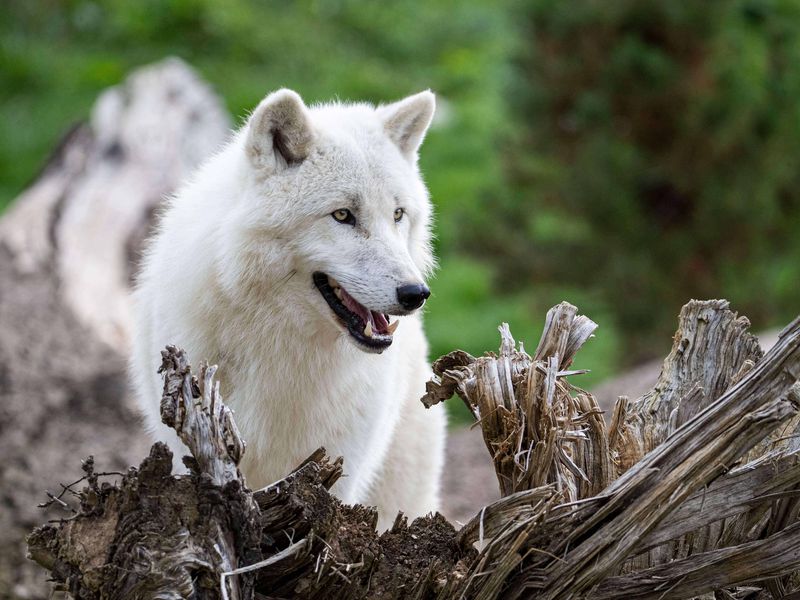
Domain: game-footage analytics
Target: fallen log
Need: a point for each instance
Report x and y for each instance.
(68, 246)
(708, 506)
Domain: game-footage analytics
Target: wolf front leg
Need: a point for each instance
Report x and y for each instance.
(410, 478)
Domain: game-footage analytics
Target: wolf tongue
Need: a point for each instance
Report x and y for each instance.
(353, 306)
(381, 324)
(374, 322)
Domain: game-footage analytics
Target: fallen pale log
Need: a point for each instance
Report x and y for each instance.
(718, 493)
(68, 245)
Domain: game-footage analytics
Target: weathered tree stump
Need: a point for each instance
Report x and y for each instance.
(160, 536)
(576, 520)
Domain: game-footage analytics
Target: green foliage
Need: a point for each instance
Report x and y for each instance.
(655, 158)
(55, 57)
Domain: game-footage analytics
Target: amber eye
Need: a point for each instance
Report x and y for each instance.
(344, 216)
(398, 214)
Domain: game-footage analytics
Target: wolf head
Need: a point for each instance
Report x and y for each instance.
(335, 207)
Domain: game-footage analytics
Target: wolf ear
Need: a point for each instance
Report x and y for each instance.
(406, 121)
(279, 131)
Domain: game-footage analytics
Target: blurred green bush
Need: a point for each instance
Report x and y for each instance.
(654, 157)
(55, 57)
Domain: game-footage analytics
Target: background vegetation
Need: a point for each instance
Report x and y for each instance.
(657, 145)
(623, 155)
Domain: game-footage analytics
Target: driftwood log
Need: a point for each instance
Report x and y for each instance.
(692, 490)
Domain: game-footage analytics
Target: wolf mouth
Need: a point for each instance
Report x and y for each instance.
(369, 328)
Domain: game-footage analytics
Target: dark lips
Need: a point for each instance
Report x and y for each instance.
(354, 322)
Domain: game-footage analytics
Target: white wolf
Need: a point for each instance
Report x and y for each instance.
(284, 259)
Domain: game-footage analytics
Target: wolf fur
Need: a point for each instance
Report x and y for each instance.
(228, 277)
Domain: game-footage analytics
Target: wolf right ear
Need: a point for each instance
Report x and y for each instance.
(279, 131)
(406, 121)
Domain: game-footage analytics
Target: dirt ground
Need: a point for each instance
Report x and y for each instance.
(469, 481)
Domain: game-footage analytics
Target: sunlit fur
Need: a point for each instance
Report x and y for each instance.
(227, 276)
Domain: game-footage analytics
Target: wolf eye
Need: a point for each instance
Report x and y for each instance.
(343, 215)
(398, 214)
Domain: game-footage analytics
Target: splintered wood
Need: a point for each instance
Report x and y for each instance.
(538, 428)
(194, 408)
(693, 489)
(701, 468)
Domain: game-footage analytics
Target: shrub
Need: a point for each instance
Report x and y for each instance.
(655, 156)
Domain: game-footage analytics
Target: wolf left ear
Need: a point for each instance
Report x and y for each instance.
(406, 121)
(280, 132)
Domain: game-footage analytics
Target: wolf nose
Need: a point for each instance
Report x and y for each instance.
(412, 296)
